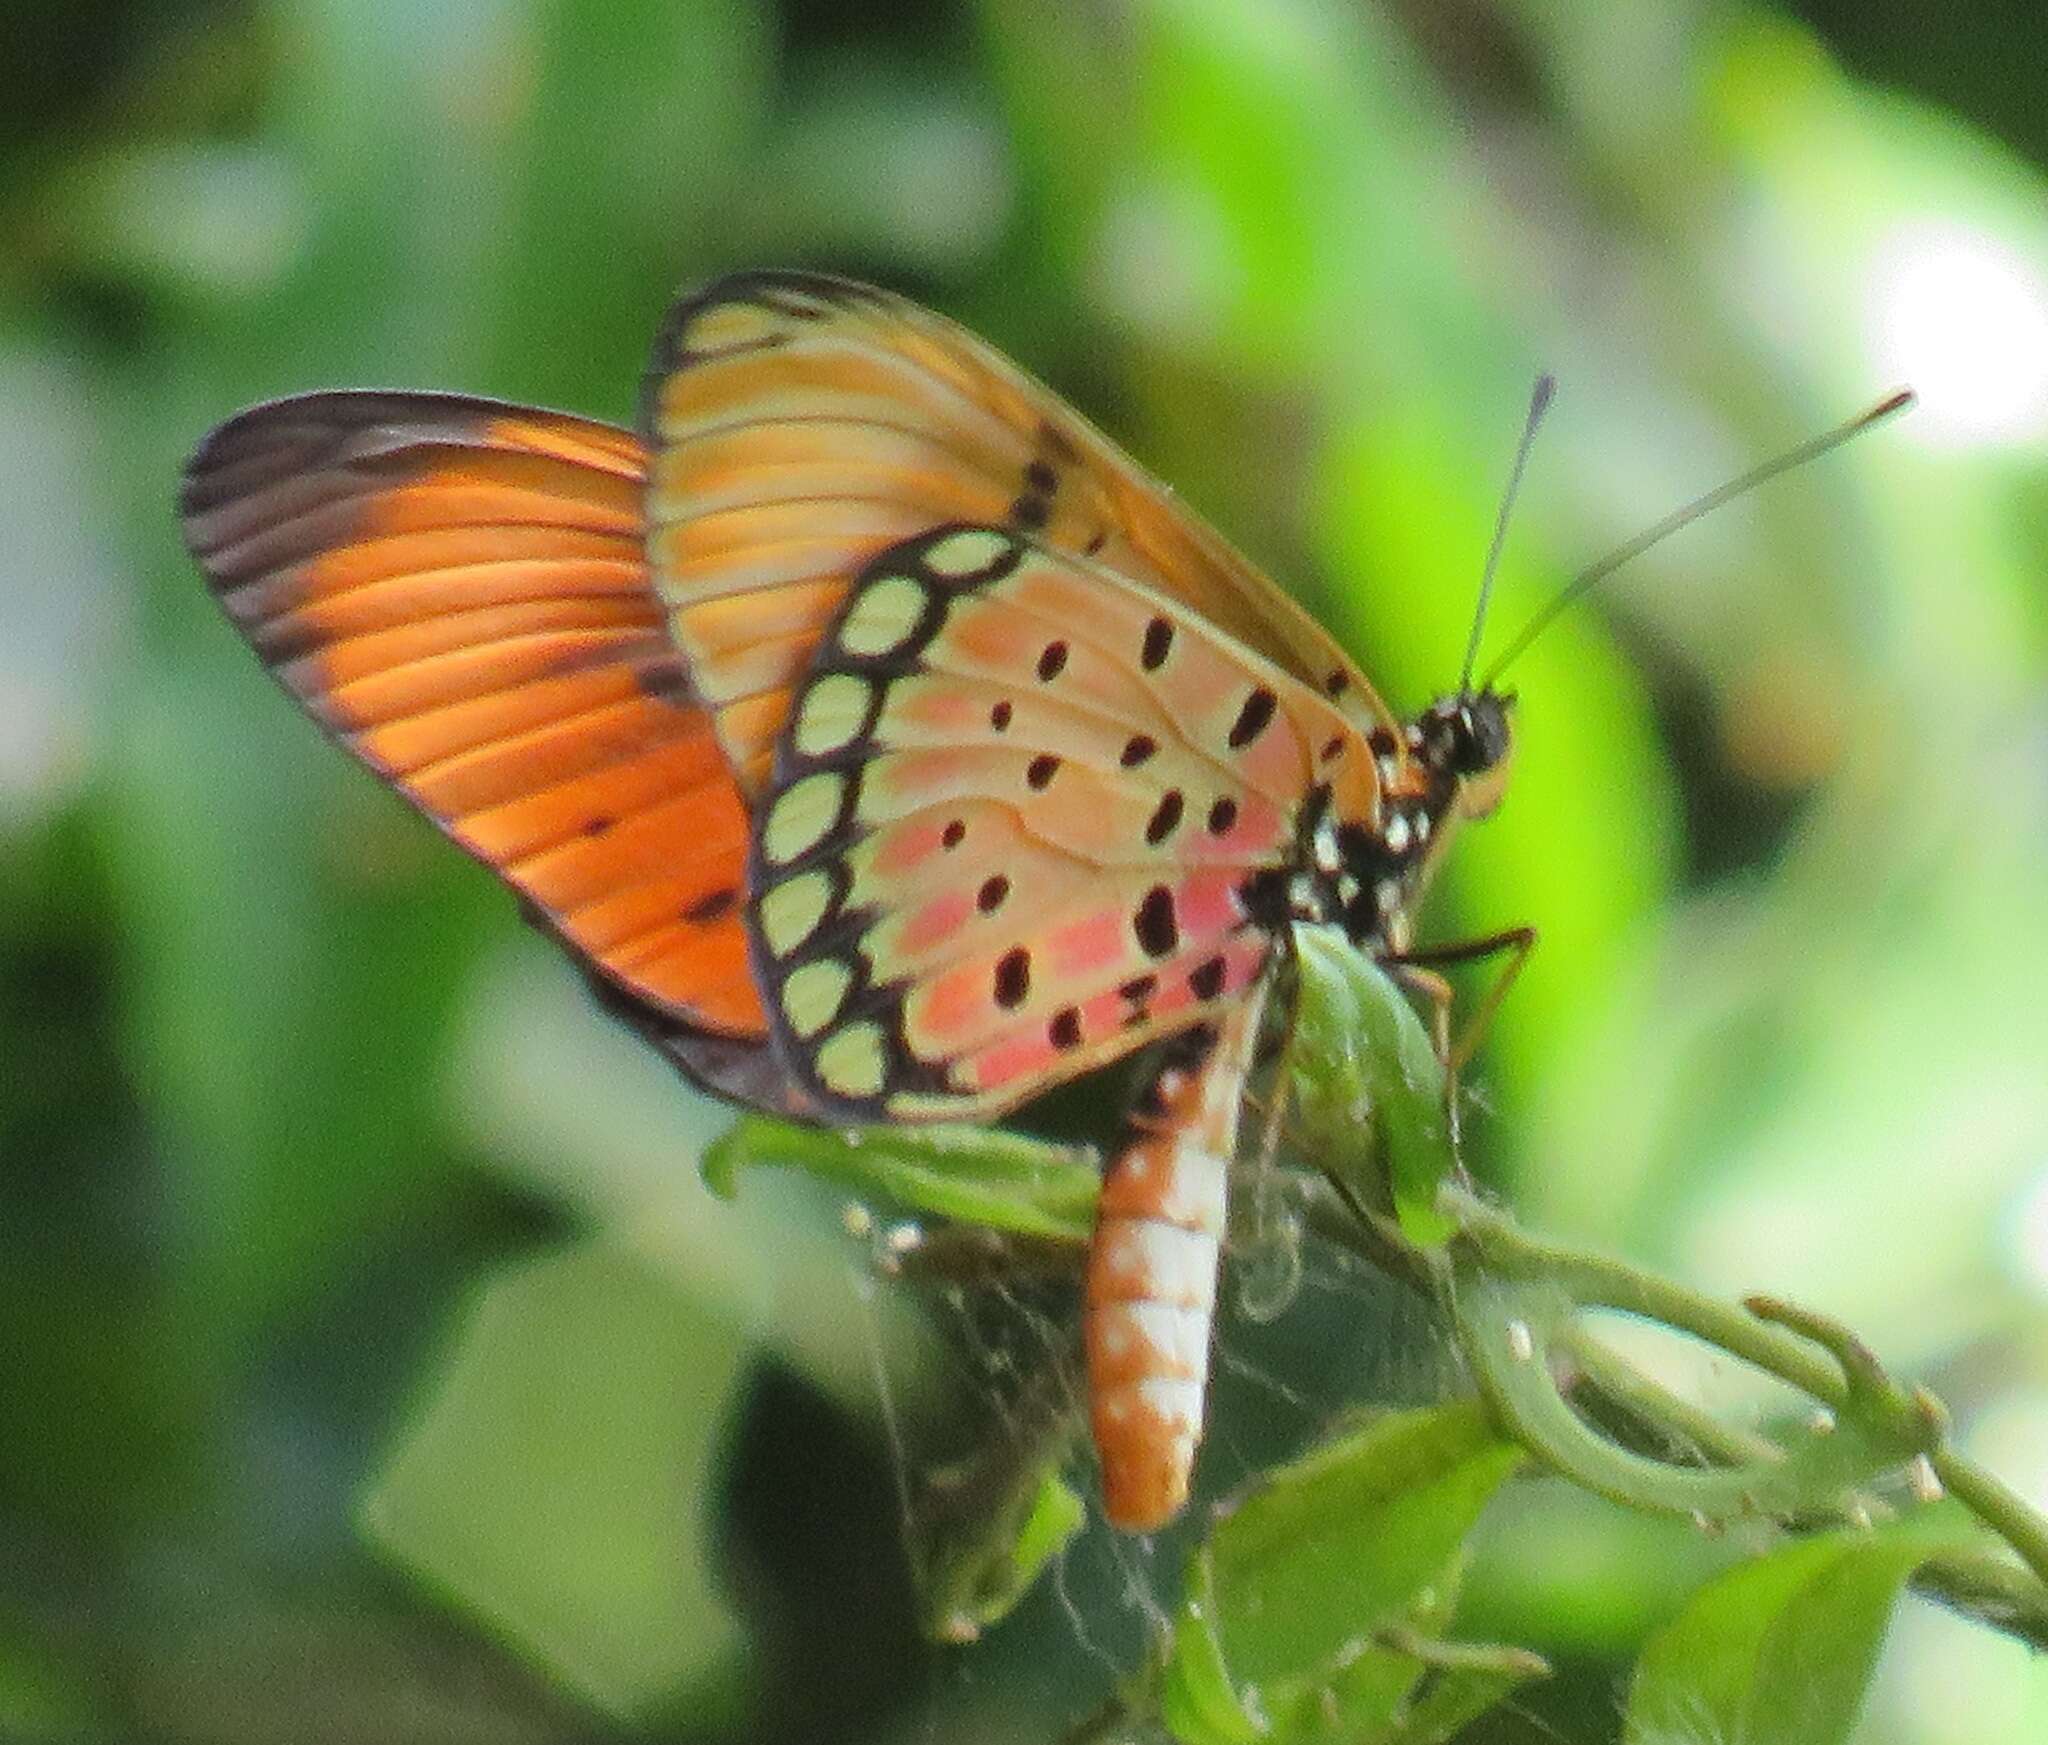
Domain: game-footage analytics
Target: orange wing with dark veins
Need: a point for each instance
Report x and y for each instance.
(457, 590)
(801, 425)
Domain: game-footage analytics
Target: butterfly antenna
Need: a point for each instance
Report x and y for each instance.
(1685, 517)
(1539, 403)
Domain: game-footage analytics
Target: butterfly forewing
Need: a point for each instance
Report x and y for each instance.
(458, 591)
(1011, 828)
(802, 424)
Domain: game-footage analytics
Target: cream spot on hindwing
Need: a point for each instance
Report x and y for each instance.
(803, 816)
(834, 713)
(968, 554)
(790, 912)
(813, 994)
(884, 616)
(851, 1062)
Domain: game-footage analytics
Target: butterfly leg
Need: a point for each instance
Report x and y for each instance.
(1151, 1287)
(1416, 971)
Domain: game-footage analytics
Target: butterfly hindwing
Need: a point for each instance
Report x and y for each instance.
(457, 590)
(1015, 825)
(800, 425)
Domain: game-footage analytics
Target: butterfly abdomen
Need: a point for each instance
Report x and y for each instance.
(1151, 1286)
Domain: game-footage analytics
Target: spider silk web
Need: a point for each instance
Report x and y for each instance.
(1305, 1332)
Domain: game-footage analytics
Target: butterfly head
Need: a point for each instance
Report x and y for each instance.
(1466, 742)
(1448, 763)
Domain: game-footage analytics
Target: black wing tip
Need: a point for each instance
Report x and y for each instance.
(282, 431)
(266, 443)
(743, 285)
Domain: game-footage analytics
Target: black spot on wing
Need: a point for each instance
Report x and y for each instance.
(1013, 978)
(1155, 924)
(1253, 719)
(714, 906)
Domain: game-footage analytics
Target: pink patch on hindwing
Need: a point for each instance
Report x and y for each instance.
(936, 922)
(1207, 901)
(908, 846)
(1086, 947)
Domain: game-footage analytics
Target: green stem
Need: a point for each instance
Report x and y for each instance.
(1990, 1588)
(1998, 1506)
(1611, 1380)
(1598, 1279)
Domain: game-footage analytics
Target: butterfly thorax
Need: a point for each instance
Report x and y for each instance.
(1367, 874)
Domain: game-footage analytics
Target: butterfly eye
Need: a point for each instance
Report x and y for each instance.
(1486, 746)
(1485, 736)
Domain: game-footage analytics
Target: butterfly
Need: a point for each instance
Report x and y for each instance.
(883, 743)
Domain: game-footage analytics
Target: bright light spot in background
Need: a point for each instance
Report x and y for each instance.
(1963, 318)
(2030, 1235)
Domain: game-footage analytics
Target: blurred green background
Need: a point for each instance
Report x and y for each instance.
(373, 1366)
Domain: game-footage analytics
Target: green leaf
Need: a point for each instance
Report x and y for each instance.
(1197, 1701)
(1779, 1649)
(1003, 1181)
(1368, 1087)
(1366, 1691)
(558, 1483)
(1464, 1690)
(1361, 1535)
(978, 1581)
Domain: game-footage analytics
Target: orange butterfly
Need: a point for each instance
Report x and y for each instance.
(881, 740)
